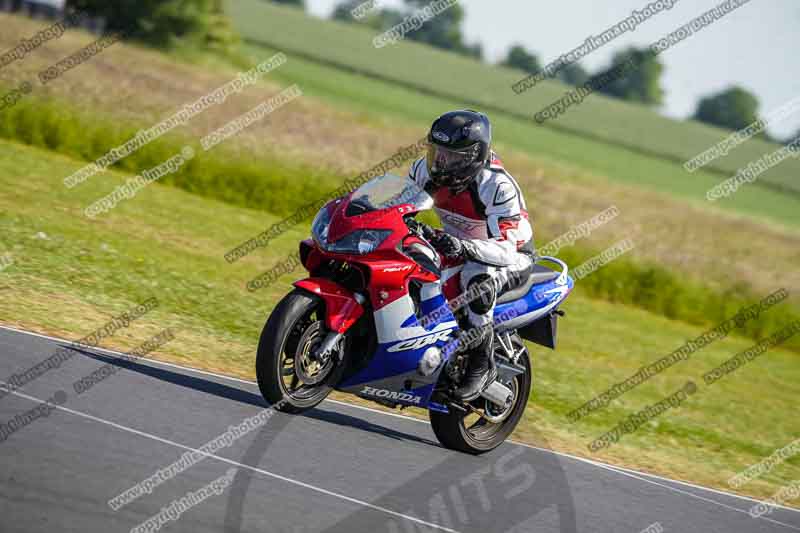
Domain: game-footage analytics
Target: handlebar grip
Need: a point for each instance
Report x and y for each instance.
(428, 232)
(421, 229)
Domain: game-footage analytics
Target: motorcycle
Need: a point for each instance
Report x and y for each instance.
(373, 320)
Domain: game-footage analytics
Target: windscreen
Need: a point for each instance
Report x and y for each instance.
(387, 191)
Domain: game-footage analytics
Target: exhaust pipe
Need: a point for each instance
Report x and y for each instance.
(498, 394)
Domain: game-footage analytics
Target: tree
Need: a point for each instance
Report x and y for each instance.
(443, 30)
(296, 3)
(220, 33)
(380, 19)
(734, 108)
(161, 22)
(343, 11)
(521, 59)
(385, 19)
(640, 83)
(573, 74)
(472, 50)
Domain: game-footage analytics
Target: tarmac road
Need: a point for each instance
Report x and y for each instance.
(338, 468)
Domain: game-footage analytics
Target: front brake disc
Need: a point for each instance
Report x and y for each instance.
(309, 370)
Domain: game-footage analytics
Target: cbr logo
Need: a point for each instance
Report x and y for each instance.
(420, 342)
(391, 395)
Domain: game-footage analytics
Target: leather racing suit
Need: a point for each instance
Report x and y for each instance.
(490, 215)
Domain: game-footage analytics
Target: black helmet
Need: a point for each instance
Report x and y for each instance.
(458, 148)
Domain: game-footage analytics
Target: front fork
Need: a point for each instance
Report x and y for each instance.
(343, 308)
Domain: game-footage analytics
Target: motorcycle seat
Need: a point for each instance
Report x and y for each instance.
(534, 275)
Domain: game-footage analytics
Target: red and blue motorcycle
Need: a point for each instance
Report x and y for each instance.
(373, 320)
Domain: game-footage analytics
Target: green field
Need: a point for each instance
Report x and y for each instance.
(608, 122)
(70, 274)
(373, 98)
(255, 171)
(270, 185)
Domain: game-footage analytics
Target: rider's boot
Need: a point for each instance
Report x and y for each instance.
(481, 371)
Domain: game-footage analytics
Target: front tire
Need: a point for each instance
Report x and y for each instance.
(295, 327)
(455, 431)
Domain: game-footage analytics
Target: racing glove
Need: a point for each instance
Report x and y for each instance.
(448, 246)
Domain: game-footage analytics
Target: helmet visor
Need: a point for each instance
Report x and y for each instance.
(448, 164)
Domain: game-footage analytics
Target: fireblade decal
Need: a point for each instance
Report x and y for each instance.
(391, 395)
(398, 269)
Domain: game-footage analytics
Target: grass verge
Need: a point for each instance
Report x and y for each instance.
(279, 188)
(347, 123)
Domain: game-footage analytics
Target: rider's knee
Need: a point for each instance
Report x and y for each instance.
(485, 294)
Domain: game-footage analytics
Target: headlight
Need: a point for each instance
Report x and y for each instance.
(319, 228)
(359, 242)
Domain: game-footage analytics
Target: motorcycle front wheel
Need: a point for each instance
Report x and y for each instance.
(289, 377)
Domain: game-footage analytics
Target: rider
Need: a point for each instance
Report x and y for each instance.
(485, 223)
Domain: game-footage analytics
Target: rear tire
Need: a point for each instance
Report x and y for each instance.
(278, 344)
(483, 436)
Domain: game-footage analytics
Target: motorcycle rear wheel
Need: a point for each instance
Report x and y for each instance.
(294, 329)
(455, 431)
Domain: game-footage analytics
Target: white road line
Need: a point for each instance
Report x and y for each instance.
(693, 495)
(623, 470)
(619, 469)
(238, 465)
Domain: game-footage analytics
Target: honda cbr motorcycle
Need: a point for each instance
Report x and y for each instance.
(373, 320)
